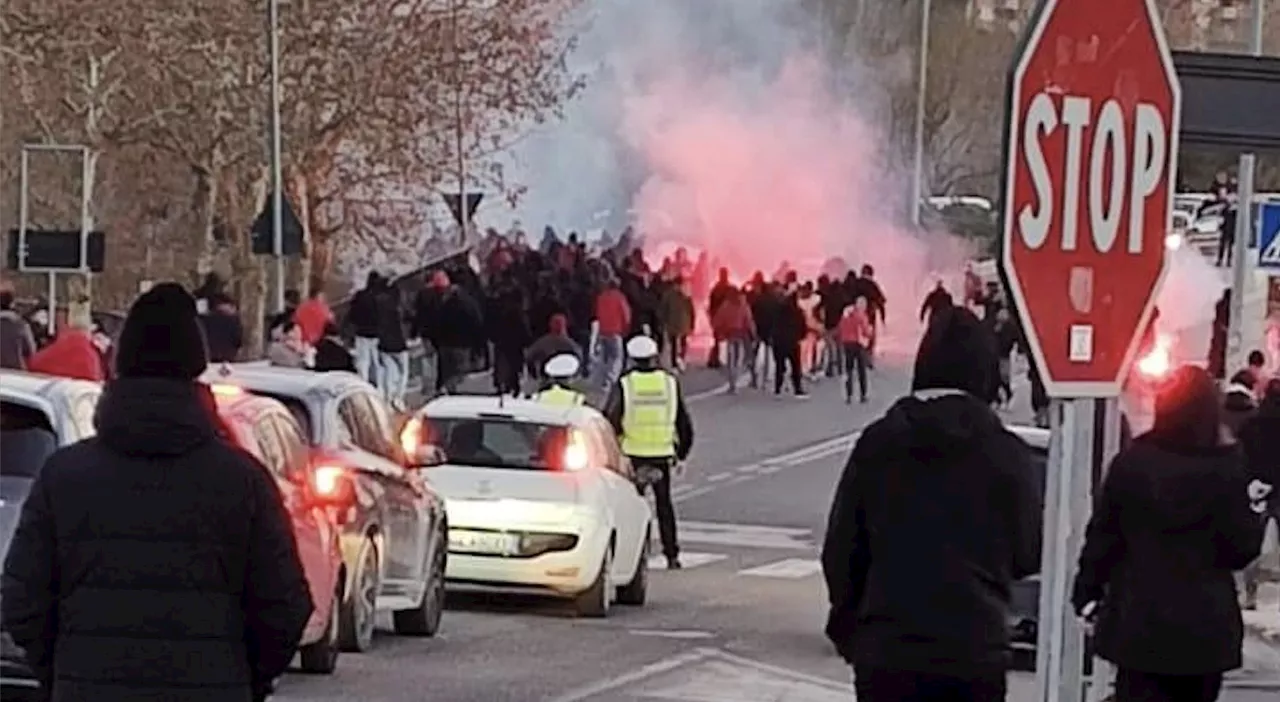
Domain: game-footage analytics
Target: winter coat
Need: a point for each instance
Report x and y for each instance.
(16, 341)
(549, 346)
(155, 561)
(855, 327)
(732, 320)
(224, 335)
(1259, 437)
(455, 320)
(1170, 525)
(675, 309)
(391, 336)
(71, 355)
(331, 355)
(789, 324)
(936, 514)
(312, 316)
(363, 314)
(612, 312)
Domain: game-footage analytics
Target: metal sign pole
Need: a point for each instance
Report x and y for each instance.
(1241, 272)
(1060, 642)
(1104, 674)
(277, 176)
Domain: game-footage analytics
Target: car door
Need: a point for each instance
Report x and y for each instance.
(410, 494)
(316, 531)
(630, 509)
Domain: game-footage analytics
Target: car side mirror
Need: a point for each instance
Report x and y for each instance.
(427, 455)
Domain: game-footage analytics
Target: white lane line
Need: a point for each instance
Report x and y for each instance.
(618, 682)
(746, 528)
(770, 466)
(679, 634)
(789, 568)
(749, 468)
(747, 537)
(688, 559)
(718, 477)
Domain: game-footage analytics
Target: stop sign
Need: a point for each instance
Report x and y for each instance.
(1091, 153)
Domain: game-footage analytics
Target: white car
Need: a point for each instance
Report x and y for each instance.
(540, 500)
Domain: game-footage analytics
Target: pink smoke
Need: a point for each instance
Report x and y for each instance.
(777, 171)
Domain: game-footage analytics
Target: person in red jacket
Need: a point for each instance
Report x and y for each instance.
(856, 335)
(312, 316)
(72, 354)
(613, 321)
(733, 324)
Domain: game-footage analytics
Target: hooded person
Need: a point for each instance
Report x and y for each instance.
(1173, 519)
(155, 560)
(936, 514)
(560, 371)
(554, 343)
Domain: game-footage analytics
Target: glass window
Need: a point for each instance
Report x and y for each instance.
(497, 443)
(272, 454)
(382, 440)
(27, 438)
(367, 426)
(612, 452)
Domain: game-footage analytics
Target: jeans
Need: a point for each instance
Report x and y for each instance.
(735, 356)
(662, 500)
(366, 358)
(786, 357)
(855, 364)
(831, 352)
(609, 360)
(449, 368)
(393, 377)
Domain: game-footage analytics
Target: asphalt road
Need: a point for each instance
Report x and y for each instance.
(742, 622)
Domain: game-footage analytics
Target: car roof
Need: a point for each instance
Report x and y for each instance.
(522, 411)
(287, 382)
(21, 385)
(1036, 437)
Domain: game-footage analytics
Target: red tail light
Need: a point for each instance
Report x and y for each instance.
(327, 481)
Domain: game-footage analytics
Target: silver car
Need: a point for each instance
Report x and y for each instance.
(38, 415)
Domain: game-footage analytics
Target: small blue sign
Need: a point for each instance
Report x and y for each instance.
(1269, 235)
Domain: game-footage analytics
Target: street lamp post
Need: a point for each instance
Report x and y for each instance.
(917, 170)
(277, 176)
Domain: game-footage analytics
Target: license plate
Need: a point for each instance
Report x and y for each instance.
(483, 542)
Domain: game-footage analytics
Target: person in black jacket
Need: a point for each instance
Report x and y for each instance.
(936, 514)
(155, 561)
(362, 318)
(393, 348)
(1259, 436)
(222, 329)
(789, 328)
(331, 353)
(1172, 521)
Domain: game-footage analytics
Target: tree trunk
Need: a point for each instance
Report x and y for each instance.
(206, 206)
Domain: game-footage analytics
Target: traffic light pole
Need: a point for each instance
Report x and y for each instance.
(277, 176)
(24, 217)
(1241, 264)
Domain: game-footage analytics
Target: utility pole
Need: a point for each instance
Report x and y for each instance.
(277, 177)
(459, 131)
(1242, 268)
(917, 169)
(88, 172)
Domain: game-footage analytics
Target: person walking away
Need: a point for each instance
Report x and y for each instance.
(331, 353)
(393, 350)
(831, 307)
(451, 320)
(1259, 436)
(17, 344)
(1172, 521)
(810, 343)
(1238, 401)
(509, 330)
(854, 335)
(362, 319)
(935, 515)
(937, 299)
(612, 322)
(71, 354)
(155, 561)
(275, 323)
(733, 325)
(789, 328)
(719, 293)
(1006, 332)
(647, 410)
(676, 314)
(559, 372)
(223, 330)
(555, 342)
(313, 315)
(764, 303)
(1256, 372)
(867, 287)
(289, 351)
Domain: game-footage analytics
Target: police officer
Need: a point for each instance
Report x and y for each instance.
(559, 371)
(647, 411)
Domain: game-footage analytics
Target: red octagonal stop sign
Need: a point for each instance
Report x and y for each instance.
(1092, 149)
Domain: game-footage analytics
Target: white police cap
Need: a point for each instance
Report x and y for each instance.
(641, 347)
(563, 365)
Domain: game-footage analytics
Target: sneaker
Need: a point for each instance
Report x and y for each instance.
(673, 563)
(863, 400)
(802, 395)
(848, 399)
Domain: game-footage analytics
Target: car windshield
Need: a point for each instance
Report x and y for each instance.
(497, 443)
(26, 440)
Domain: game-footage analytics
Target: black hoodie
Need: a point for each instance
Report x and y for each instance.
(155, 561)
(935, 516)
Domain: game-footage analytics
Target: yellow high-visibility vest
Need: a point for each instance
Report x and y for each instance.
(561, 396)
(649, 405)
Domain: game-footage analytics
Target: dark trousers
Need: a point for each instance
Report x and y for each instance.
(786, 358)
(450, 361)
(905, 686)
(1226, 246)
(662, 500)
(1133, 686)
(506, 369)
(855, 364)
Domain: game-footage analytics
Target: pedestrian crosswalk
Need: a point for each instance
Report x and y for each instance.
(747, 550)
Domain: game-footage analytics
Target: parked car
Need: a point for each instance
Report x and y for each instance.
(38, 415)
(311, 491)
(541, 500)
(395, 536)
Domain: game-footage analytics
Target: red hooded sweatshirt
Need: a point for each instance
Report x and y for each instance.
(71, 355)
(311, 317)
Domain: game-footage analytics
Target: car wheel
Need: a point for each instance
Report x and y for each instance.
(359, 610)
(321, 657)
(424, 620)
(636, 592)
(597, 598)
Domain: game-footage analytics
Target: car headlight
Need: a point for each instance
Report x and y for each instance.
(536, 543)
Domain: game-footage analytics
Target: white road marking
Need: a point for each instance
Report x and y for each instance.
(679, 634)
(749, 468)
(746, 535)
(789, 568)
(769, 466)
(638, 675)
(719, 477)
(688, 559)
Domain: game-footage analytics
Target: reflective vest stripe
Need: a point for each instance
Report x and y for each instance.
(650, 403)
